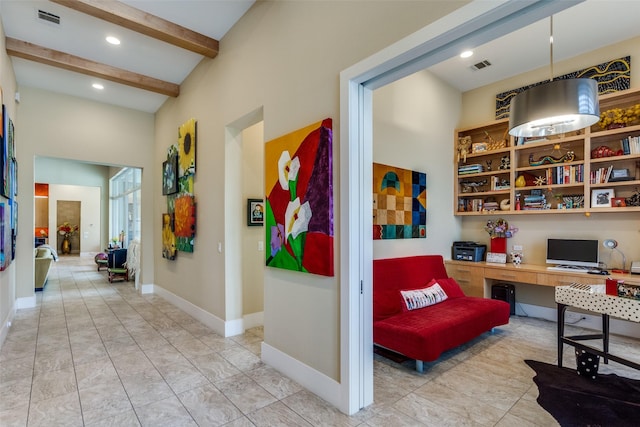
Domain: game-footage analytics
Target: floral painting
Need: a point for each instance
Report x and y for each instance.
(184, 222)
(170, 172)
(299, 207)
(399, 203)
(168, 237)
(187, 147)
(5, 235)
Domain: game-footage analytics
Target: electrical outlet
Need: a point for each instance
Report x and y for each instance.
(517, 247)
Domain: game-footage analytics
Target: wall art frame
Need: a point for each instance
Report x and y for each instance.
(255, 212)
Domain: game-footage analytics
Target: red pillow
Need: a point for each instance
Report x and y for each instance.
(449, 286)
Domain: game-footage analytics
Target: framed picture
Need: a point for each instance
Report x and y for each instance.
(602, 198)
(255, 212)
(618, 202)
(170, 175)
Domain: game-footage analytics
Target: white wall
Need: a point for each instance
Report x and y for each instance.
(414, 118)
(284, 57)
(89, 198)
(60, 126)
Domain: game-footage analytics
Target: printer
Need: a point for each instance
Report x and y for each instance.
(468, 251)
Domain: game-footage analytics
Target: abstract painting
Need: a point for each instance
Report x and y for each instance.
(5, 235)
(299, 207)
(399, 203)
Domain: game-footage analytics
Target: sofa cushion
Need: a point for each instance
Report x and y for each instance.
(420, 298)
(449, 286)
(43, 253)
(425, 334)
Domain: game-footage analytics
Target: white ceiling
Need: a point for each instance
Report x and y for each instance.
(84, 36)
(580, 29)
(585, 27)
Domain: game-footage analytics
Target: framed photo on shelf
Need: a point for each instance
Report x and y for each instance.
(618, 202)
(255, 212)
(602, 198)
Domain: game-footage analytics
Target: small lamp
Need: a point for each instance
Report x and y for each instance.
(554, 107)
(613, 244)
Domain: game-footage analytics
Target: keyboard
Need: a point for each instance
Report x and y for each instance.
(569, 268)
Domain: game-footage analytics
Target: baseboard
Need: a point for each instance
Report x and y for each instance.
(146, 289)
(25, 302)
(6, 324)
(309, 378)
(213, 322)
(591, 321)
(252, 320)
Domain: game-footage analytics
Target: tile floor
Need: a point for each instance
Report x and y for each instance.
(98, 354)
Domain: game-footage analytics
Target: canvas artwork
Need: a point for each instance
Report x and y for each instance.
(4, 155)
(184, 216)
(399, 203)
(170, 173)
(299, 206)
(168, 237)
(187, 147)
(5, 235)
(612, 76)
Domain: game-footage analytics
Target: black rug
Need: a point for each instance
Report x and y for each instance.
(609, 400)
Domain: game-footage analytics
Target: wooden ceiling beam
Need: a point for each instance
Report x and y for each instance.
(145, 23)
(43, 55)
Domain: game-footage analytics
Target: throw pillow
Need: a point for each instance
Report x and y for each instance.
(419, 298)
(449, 286)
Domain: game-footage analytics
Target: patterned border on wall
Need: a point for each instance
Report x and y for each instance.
(611, 76)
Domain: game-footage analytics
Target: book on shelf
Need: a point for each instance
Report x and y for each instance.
(631, 145)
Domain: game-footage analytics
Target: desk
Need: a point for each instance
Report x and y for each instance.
(596, 301)
(476, 278)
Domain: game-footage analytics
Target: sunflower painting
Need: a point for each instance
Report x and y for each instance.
(168, 237)
(187, 147)
(299, 207)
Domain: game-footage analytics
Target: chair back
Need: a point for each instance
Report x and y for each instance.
(117, 258)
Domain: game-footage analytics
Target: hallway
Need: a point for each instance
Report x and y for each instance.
(96, 354)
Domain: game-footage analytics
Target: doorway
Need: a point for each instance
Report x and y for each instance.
(472, 25)
(68, 226)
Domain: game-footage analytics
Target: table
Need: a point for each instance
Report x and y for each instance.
(594, 299)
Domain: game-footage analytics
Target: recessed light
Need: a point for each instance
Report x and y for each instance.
(113, 40)
(466, 54)
(97, 86)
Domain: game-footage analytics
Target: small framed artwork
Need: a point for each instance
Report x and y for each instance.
(602, 198)
(170, 175)
(618, 202)
(255, 212)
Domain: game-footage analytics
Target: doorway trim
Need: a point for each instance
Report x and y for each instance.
(470, 26)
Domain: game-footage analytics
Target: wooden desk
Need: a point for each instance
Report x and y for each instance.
(595, 301)
(476, 278)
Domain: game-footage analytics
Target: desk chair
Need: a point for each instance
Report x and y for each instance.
(117, 265)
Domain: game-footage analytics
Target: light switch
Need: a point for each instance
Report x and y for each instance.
(260, 246)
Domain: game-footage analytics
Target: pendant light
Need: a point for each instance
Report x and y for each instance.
(554, 107)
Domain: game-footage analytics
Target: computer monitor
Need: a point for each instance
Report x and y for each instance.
(573, 252)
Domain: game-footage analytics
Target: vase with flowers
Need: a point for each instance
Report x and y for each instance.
(499, 230)
(67, 231)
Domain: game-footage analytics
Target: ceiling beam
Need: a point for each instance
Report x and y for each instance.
(145, 23)
(43, 55)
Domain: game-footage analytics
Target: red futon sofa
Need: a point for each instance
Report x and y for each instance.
(424, 333)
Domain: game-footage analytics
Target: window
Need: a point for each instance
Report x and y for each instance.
(125, 200)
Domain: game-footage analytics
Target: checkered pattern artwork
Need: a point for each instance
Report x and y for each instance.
(399, 203)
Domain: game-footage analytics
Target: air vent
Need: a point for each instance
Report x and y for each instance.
(49, 17)
(480, 65)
